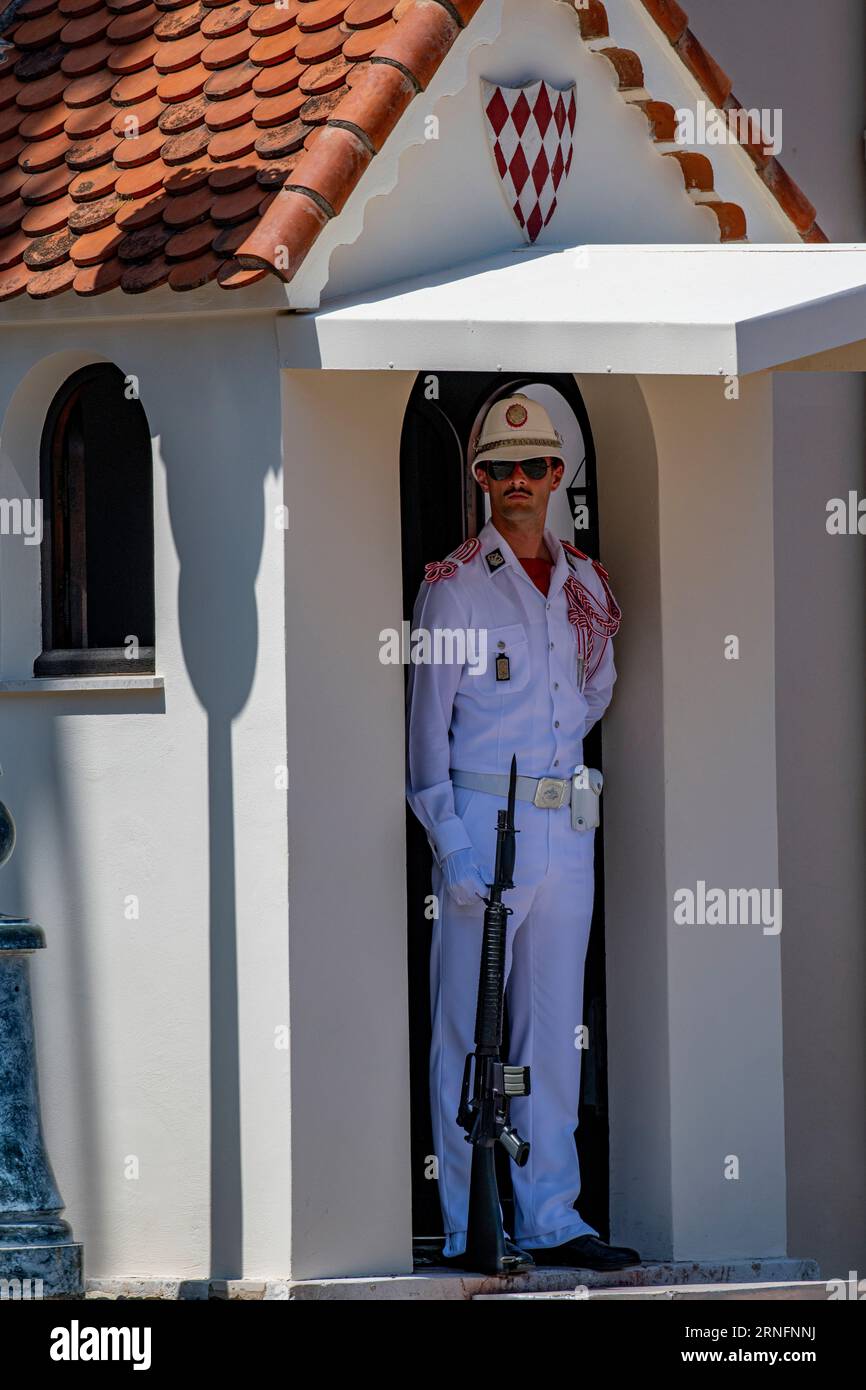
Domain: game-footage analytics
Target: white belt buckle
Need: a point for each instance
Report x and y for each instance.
(551, 793)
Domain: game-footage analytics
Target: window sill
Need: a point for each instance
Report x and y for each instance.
(61, 685)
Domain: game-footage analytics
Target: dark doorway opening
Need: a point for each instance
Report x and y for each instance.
(441, 504)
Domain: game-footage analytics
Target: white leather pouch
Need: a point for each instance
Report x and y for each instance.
(586, 784)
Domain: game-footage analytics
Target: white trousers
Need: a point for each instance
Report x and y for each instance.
(546, 943)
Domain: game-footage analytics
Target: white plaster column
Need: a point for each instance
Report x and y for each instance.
(715, 470)
(350, 1130)
(694, 1025)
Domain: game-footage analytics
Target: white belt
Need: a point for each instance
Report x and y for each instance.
(582, 790)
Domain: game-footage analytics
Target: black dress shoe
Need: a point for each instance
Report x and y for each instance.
(586, 1252)
(517, 1261)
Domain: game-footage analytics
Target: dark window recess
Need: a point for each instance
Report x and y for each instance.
(97, 547)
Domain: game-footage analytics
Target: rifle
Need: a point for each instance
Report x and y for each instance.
(485, 1114)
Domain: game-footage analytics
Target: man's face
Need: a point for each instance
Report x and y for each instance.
(520, 499)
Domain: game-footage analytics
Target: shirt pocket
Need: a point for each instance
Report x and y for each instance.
(506, 670)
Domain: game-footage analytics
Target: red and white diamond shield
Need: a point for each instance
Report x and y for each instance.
(531, 130)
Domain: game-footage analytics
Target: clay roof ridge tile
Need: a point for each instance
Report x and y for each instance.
(353, 130)
(401, 68)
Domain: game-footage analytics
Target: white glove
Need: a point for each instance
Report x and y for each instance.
(463, 878)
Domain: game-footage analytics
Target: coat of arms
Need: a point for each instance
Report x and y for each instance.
(531, 130)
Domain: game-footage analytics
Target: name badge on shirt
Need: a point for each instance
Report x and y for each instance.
(503, 667)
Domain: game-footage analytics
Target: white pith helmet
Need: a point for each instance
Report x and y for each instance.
(517, 427)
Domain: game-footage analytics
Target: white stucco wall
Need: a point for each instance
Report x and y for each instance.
(814, 79)
(156, 1036)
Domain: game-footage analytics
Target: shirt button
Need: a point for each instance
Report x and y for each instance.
(556, 762)
(556, 685)
(556, 723)
(551, 646)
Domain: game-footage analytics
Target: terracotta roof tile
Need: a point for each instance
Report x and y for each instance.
(180, 86)
(227, 178)
(41, 188)
(74, 7)
(147, 275)
(83, 123)
(186, 178)
(97, 246)
(53, 281)
(361, 43)
(269, 19)
(142, 212)
(138, 86)
(184, 209)
(47, 217)
(11, 216)
(96, 279)
(361, 13)
(420, 40)
(229, 238)
(145, 142)
(87, 217)
(140, 180)
(191, 275)
(232, 276)
(83, 30)
(178, 24)
(192, 241)
(279, 78)
(231, 19)
(125, 28)
(278, 110)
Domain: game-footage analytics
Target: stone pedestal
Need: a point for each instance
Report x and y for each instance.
(35, 1242)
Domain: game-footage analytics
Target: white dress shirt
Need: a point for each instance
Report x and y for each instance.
(470, 720)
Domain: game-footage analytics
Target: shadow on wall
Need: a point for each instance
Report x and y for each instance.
(217, 521)
(215, 479)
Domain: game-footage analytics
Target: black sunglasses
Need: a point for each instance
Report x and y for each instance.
(500, 469)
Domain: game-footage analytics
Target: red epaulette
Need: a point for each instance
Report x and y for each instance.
(596, 564)
(444, 569)
(573, 550)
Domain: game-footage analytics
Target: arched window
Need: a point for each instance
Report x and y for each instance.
(97, 546)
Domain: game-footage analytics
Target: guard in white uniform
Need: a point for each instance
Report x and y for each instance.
(548, 678)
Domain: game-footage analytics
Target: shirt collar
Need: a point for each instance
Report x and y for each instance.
(561, 568)
(496, 555)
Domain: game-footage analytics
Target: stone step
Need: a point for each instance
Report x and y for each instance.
(775, 1277)
(811, 1290)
